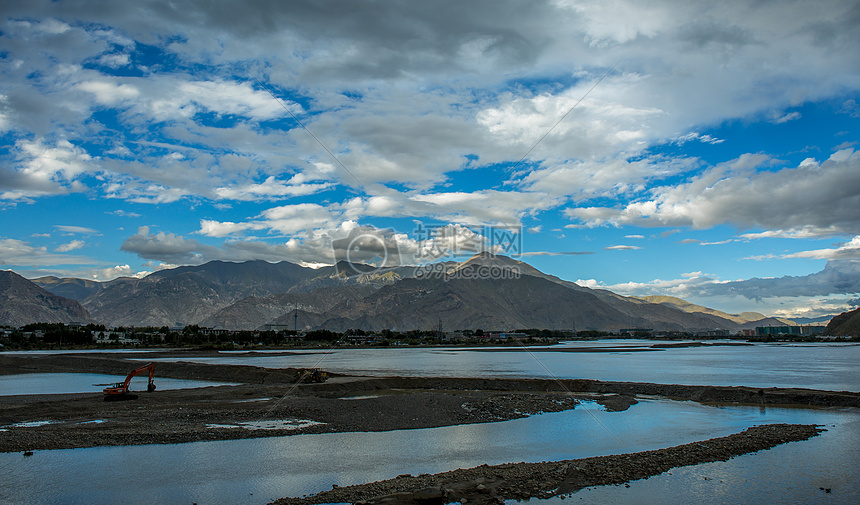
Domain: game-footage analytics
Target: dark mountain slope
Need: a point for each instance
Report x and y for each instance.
(847, 323)
(501, 304)
(23, 302)
(188, 295)
(252, 312)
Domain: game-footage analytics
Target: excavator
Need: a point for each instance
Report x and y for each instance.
(119, 391)
(313, 375)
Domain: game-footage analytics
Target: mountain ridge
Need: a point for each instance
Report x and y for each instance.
(247, 295)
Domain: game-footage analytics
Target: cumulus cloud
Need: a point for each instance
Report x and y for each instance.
(175, 249)
(44, 169)
(110, 273)
(382, 93)
(813, 198)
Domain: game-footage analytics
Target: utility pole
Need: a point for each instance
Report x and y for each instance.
(296, 319)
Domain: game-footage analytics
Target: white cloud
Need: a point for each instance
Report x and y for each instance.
(212, 228)
(71, 246)
(850, 249)
(791, 116)
(110, 273)
(114, 60)
(108, 92)
(44, 169)
(706, 139)
(271, 189)
(806, 199)
(622, 248)
(178, 98)
(143, 192)
(19, 253)
(68, 229)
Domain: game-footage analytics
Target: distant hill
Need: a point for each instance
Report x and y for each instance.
(688, 307)
(75, 289)
(814, 320)
(847, 323)
(23, 302)
(190, 294)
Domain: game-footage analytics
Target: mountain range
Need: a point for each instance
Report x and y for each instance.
(482, 292)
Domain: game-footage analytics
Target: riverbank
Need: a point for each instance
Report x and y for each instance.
(518, 481)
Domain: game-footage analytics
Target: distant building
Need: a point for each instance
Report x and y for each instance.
(788, 330)
(635, 330)
(276, 327)
(505, 335)
(714, 333)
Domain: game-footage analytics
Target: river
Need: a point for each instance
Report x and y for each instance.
(257, 471)
(815, 365)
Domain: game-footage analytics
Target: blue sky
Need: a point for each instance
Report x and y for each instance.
(691, 149)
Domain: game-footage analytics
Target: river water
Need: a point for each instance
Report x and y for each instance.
(257, 471)
(816, 365)
(61, 383)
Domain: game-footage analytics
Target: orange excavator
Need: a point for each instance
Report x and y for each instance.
(119, 391)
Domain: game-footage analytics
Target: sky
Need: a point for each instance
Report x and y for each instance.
(704, 150)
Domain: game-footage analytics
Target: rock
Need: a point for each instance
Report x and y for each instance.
(429, 495)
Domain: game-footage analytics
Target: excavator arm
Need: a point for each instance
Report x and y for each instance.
(120, 389)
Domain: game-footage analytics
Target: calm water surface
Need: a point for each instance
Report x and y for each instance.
(817, 366)
(60, 383)
(260, 470)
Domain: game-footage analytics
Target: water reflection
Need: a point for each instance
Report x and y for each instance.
(817, 366)
(61, 383)
(228, 472)
(799, 472)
